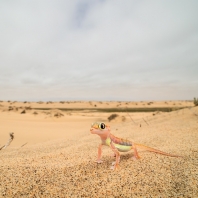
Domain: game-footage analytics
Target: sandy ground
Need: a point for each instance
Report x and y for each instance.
(53, 152)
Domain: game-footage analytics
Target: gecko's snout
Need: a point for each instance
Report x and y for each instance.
(92, 130)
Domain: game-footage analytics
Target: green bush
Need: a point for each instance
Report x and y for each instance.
(196, 101)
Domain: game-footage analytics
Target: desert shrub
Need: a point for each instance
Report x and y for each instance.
(10, 108)
(123, 118)
(58, 115)
(23, 112)
(112, 116)
(28, 108)
(196, 101)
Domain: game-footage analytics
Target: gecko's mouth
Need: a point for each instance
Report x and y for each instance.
(92, 130)
(95, 131)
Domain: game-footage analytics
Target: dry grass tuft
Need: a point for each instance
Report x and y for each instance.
(9, 141)
(58, 115)
(123, 118)
(23, 112)
(112, 117)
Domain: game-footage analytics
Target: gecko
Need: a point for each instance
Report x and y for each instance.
(118, 144)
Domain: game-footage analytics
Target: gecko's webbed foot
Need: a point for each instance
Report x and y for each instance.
(136, 157)
(115, 166)
(99, 161)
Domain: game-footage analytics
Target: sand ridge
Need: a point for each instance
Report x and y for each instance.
(63, 165)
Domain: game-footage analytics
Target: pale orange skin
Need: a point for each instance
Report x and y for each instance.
(105, 135)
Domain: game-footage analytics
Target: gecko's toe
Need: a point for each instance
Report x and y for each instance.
(135, 158)
(115, 167)
(99, 161)
(113, 163)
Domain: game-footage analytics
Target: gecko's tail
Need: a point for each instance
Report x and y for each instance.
(154, 150)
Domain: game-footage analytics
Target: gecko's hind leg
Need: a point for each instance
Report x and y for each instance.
(115, 165)
(136, 156)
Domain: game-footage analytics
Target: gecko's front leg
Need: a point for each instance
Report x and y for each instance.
(115, 165)
(99, 154)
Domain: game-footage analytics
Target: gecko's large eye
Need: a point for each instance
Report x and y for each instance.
(101, 126)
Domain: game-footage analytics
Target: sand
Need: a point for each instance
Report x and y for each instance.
(53, 152)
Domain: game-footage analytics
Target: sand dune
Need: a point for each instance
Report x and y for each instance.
(57, 159)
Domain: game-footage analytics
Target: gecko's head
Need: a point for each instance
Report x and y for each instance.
(99, 128)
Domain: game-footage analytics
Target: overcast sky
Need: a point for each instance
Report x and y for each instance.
(98, 50)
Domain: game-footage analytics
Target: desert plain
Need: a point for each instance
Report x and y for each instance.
(53, 153)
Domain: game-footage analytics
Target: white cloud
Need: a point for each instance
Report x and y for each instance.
(127, 50)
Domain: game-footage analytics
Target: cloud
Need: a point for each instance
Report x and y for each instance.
(125, 50)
